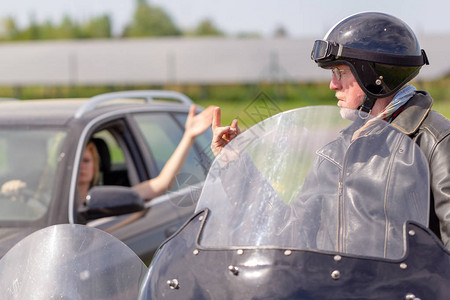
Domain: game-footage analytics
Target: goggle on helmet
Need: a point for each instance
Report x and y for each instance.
(382, 52)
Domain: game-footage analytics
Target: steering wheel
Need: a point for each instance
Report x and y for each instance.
(22, 195)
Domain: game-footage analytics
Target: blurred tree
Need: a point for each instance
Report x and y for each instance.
(68, 29)
(47, 30)
(150, 20)
(98, 27)
(207, 28)
(8, 29)
(31, 32)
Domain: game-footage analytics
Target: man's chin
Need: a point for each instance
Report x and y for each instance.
(348, 113)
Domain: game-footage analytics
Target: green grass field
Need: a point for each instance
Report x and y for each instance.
(231, 110)
(443, 108)
(244, 107)
(242, 101)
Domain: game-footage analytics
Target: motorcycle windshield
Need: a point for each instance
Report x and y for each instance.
(317, 178)
(70, 262)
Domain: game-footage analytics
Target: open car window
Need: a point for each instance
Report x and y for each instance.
(202, 146)
(115, 165)
(162, 134)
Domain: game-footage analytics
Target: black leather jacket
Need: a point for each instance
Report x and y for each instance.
(431, 131)
(355, 199)
(368, 189)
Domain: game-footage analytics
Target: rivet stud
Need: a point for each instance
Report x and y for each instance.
(335, 274)
(234, 270)
(173, 284)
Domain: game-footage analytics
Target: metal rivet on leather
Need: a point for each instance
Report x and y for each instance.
(335, 274)
(173, 284)
(411, 296)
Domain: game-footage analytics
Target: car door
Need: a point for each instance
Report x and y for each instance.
(151, 140)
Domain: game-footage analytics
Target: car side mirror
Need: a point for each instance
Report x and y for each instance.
(106, 201)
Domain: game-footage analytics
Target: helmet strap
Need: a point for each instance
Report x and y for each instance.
(367, 104)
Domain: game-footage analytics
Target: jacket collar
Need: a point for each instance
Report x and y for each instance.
(414, 113)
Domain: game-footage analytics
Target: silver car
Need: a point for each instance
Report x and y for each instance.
(42, 141)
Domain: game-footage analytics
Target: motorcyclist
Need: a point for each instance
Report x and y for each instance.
(262, 231)
(269, 224)
(372, 57)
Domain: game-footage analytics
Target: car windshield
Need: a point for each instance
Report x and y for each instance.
(28, 161)
(310, 179)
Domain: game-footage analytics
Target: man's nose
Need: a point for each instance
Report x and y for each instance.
(335, 84)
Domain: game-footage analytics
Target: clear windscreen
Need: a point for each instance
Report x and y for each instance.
(70, 262)
(316, 178)
(28, 163)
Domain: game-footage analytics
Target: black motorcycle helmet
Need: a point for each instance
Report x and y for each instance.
(382, 52)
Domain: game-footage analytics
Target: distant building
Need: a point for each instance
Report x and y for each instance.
(155, 61)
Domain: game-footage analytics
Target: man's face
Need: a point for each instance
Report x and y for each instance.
(348, 92)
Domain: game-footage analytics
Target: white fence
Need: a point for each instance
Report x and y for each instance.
(176, 60)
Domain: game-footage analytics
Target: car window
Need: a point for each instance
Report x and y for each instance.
(162, 134)
(28, 158)
(115, 152)
(203, 143)
(114, 169)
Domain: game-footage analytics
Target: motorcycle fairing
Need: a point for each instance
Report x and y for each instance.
(283, 273)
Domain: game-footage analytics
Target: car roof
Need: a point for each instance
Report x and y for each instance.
(60, 112)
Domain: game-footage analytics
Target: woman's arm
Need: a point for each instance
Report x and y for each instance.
(195, 125)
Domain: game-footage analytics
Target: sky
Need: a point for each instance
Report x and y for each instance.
(300, 18)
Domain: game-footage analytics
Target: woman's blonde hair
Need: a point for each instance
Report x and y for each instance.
(93, 149)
